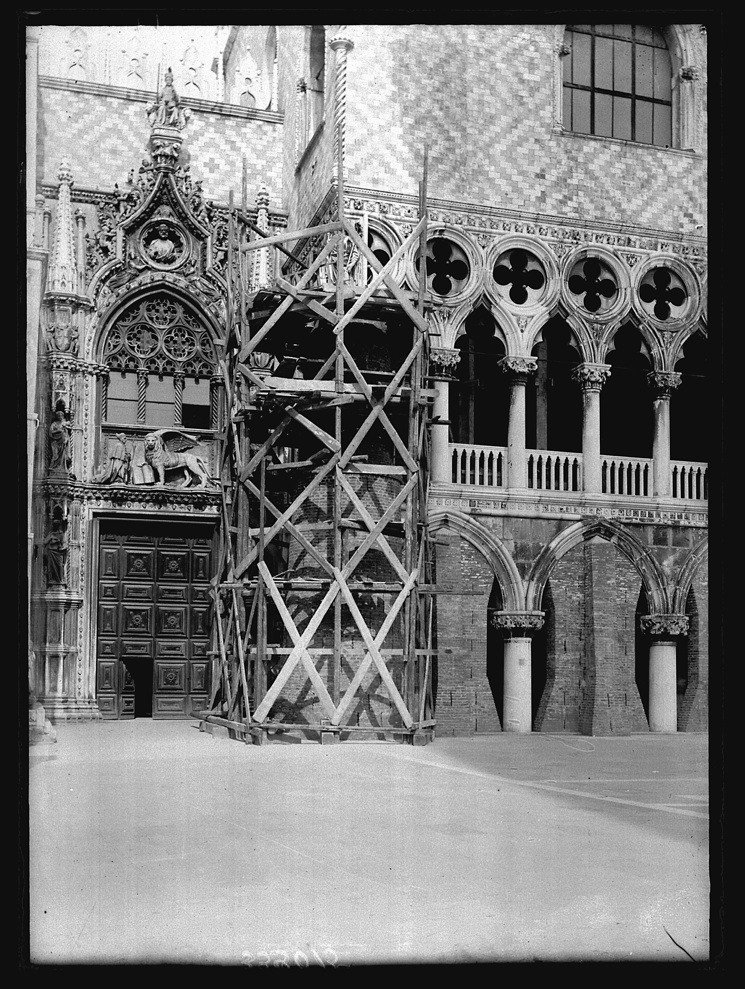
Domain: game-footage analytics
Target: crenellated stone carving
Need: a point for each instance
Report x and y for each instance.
(664, 626)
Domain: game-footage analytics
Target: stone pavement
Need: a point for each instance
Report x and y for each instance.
(154, 842)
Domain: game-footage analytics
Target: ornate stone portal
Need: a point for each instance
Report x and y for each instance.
(157, 245)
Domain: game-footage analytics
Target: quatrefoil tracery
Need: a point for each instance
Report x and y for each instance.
(516, 271)
(593, 284)
(661, 293)
(448, 271)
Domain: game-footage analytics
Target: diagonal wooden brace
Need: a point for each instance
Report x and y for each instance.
(379, 639)
(305, 657)
(385, 676)
(292, 660)
(384, 274)
(370, 523)
(284, 305)
(415, 316)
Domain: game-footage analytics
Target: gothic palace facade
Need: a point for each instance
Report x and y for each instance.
(566, 295)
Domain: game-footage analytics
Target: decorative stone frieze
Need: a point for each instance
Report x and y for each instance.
(591, 377)
(664, 626)
(520, 623)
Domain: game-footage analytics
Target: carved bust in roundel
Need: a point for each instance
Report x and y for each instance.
(163, 245)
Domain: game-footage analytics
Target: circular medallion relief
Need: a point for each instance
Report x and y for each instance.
(163, 245)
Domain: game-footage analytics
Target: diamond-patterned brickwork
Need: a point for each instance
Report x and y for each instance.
(490, 90)
(103, 137)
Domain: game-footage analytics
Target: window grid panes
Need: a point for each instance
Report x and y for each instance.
(617, 83)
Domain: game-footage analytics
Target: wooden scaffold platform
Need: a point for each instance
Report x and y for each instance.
(323, 595)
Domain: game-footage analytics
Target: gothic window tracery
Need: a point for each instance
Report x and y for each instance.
(160, 359)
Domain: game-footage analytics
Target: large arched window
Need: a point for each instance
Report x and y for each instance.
(618, 82)
(160, 360)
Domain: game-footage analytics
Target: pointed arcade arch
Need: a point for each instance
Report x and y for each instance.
(493, 551)
(650, 571)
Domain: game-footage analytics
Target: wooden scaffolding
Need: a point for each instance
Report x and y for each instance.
(335, 406)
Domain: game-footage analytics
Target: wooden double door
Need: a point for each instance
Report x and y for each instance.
(153, 631)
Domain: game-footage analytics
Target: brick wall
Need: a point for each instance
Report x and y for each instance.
(103, 137)
(482, 98)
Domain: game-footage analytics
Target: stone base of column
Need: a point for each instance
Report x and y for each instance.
(60, 709)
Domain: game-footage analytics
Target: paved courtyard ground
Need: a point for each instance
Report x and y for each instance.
(153, 842)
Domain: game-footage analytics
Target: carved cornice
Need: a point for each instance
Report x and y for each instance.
(591, 377)
(548, 225)
(64, 362)
(664, 626)
(144, 96)
(663, 383)
(133, 496)
(517, 623)
(519, 367)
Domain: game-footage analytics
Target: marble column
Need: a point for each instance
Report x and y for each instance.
(442, 362)
(663, 698)
(517, 715)
(519, 368)
(591, 378)
(663, 383)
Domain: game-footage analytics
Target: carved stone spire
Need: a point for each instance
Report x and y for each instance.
(62, 275)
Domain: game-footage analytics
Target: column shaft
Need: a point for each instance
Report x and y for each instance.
(663, 710)
(441, 466)
(516, 711)
(591, 440)
(517, 469)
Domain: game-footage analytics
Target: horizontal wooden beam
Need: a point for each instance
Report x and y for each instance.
(323, 228)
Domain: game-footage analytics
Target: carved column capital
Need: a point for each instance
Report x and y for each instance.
(517, 623)
(688, 73)
(339, 42)
(591, 377)
(519, 367)
(444, 359)
(663, 383)
(664, 626)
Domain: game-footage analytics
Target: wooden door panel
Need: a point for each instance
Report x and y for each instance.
(177, 649)
(170, 677)
(137, 592)
(200, 618)
(108, 619)
(109, 566)
(173, 565)
(198, 673)
(154, 613)
(108, 591)
(176, 595)
(171, 620)
(107, 677)
(170, 707)
(136, 648)
(139, 563)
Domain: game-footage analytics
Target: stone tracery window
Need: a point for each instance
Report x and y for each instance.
(618, 82)
(160, 360)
